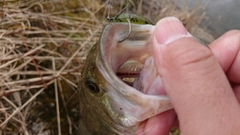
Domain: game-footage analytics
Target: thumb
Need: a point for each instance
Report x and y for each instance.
(197, 86)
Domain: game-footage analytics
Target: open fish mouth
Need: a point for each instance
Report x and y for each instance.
(129, 68)
(126, 62)
(127, 51)
(121, 87)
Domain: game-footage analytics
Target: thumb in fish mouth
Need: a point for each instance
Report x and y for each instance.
(195, 82)
(163, 122)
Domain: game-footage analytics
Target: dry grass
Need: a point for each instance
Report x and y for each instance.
(42, 49)
(43, 45)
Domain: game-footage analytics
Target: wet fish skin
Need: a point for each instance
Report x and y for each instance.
(103, 120)
(133, 18)
(107, 104)
(98, 117)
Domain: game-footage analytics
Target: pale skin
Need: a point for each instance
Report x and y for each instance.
(203, 83)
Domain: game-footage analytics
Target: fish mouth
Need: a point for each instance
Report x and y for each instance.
(132, 85)
(126, 48)
(129, 71)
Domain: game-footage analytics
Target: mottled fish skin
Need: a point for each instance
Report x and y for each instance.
(100, 112)
(133, 18)
(94, 103)
(98, 117)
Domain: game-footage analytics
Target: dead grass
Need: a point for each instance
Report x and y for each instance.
(43, 45)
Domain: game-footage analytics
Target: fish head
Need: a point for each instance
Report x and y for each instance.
(92, 96)
(109, 102)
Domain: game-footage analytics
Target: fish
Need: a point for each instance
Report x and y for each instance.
(119, 86)
(132, 18)
(119, 83)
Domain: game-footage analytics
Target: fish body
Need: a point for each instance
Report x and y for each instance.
(120, 87)
(133, 18)
(114, 91)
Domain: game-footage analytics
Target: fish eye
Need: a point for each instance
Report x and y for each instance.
(92, 86)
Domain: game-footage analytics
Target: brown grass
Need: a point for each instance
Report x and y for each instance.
(43, 45)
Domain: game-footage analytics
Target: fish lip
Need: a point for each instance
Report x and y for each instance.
(120, 31)
(140, 106)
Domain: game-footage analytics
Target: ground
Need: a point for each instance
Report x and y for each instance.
(43, 45)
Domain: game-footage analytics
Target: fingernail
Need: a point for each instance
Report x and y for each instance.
(169, 29)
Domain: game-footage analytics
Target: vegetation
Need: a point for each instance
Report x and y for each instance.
(43, 45)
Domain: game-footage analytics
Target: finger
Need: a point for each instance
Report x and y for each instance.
(160, 124)
(236, 90)
(194, 81)
(227, 51)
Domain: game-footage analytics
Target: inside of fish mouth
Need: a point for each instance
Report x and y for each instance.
(131, 60)
(129, 71)
(127, 56)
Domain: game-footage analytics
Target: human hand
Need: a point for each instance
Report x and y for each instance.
(203, 84)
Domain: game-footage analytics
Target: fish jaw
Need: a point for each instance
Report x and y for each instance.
(116, 107)
(134, 105)
(98, 116)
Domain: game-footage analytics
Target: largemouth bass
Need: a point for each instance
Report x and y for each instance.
(118, 90)
(119, 86)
